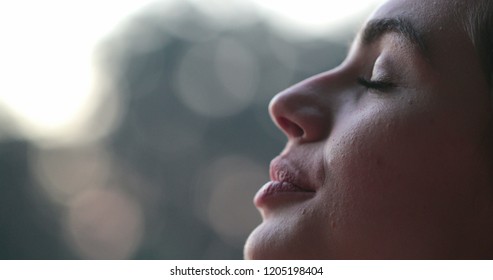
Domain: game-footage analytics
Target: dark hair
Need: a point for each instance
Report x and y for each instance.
(479, 26)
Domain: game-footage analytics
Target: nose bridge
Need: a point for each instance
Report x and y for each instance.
(305, 111)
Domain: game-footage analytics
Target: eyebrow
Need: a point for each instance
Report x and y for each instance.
(376, 28)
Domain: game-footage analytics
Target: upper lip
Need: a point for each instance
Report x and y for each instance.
(284, 170)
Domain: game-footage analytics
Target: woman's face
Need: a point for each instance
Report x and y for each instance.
(387, 154)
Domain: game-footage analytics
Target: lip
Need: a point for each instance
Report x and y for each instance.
(276, 192)
(287, 185)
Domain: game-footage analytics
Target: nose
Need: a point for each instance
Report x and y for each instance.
(304, 112)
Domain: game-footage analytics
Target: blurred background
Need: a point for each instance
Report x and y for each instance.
(139, 129)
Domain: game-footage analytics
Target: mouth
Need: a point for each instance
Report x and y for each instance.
(287, 185)
(275, 193)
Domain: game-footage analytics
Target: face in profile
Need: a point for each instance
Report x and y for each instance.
(388, 155)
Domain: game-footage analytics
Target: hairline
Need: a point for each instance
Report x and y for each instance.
(478, 24)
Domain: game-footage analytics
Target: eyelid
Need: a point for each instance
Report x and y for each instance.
(379, 85)
(381, 78)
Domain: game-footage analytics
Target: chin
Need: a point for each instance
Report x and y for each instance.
(274, 242)
(258, 247)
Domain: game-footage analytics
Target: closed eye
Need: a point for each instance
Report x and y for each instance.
(375, 85)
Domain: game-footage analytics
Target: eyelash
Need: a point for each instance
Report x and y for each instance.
(375, 85)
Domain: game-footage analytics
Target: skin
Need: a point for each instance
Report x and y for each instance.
(400, 174)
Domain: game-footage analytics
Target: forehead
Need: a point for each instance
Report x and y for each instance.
(440, 24)
(432, 18)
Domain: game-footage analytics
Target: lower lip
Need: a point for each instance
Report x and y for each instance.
(276, 192)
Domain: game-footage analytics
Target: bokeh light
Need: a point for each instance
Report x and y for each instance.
(49, 78)
(66, 173)
(314, 18)
(224, 196)
(139, 129)
(225, 89)
(228, 15)
(104, 224)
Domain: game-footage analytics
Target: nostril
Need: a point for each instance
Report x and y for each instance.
(291, 128)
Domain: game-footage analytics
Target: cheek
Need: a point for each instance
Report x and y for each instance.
(393, 179)
(377, 149)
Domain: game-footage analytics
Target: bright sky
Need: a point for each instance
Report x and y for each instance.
(46, 60)
(46, 51)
